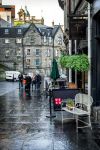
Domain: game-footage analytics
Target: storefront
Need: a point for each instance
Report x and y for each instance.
(95, 51)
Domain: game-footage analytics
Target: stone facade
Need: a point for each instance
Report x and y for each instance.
(7, 15)
(30, 47)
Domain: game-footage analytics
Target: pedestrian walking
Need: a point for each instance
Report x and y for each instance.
(33, 82)
(28, 83)
(38, 80)
(20, 77)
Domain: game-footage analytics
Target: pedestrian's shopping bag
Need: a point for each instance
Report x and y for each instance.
(24, 81)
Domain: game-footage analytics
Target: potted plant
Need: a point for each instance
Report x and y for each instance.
(76, 62)
(70, 104)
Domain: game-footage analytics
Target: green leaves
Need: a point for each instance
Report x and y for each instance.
(76, 62)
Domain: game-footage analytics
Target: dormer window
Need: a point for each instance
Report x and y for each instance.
(59, 40)
(50, 39)
(45, 39)
(6, 31)
(19, 31)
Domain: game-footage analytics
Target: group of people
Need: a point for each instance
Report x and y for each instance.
(35, 81)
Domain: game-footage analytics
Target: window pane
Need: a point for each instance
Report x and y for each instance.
(7, 41)
(28, 51)
(18, 40)
(37, 62)
(45, 39)
(37, 52)
(8, 18)
(6, 31)
(19, 31)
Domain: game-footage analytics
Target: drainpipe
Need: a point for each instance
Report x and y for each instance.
(23, 55)
(70, 53)
(70, 46)
(89, 49)
(75, 70)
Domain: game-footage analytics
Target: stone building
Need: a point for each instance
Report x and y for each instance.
(7, 15)
(25, 17)
(79, 9)
(75, 34)
(30, 47)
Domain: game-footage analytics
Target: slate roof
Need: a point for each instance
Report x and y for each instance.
(6, 6)
(42, 29)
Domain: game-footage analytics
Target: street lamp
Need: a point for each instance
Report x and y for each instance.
(53, 47)
(22, 55)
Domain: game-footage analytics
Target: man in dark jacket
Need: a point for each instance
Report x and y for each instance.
(20, 77)
(28, 83)
(38, 80)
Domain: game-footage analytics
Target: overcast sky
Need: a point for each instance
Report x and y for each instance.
(49, 9)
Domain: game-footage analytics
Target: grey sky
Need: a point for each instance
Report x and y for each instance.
(49, 9)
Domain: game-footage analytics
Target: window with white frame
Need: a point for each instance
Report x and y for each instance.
(48, 52)
(28, 51)
(18, 52)
(7, 41)
(59, 40)
(50, 39)
(7, 53)
(45, 39)
(37, 62)
(28, 61)
(19, 31)
(57, 52)
(18, 40)
(6, 31)
(37, 52)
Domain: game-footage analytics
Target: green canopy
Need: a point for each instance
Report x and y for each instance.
(54, 72)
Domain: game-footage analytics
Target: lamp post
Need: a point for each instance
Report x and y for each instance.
(53, 48)
(22, 55)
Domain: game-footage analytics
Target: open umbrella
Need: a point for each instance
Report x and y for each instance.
(54, 72)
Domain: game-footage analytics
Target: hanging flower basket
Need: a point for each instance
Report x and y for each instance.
(76, 62)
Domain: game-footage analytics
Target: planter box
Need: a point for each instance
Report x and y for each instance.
(61, 94)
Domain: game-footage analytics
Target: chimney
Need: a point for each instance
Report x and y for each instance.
(53, 23)
(0, 2)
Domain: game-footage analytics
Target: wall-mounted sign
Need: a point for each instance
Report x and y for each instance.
(77, 28)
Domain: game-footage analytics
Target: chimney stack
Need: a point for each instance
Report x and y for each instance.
(53, 23)
(0, 2)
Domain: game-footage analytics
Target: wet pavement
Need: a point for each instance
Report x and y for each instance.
(24, 125)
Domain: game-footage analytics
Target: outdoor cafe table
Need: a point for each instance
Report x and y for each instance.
(76, 112)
